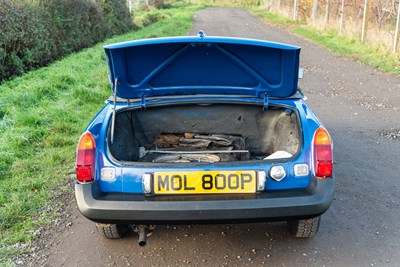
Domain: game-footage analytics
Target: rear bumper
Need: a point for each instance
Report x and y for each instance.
(266, 206)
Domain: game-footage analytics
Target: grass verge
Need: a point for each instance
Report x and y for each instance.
(330, 39)
(42, 115)
(274, 18)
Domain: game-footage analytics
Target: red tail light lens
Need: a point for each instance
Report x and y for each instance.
(85, 158)
(323, 163)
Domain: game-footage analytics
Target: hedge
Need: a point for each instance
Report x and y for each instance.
(34, 33)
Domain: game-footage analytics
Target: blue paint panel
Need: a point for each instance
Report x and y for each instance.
(210, 65)
(129, 177)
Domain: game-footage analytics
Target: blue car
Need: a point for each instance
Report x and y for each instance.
(203, 130)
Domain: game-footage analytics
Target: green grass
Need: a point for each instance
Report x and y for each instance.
(42, 115)
(330, 39)
(274, 18)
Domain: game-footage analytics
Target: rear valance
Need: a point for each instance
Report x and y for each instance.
(203, 65)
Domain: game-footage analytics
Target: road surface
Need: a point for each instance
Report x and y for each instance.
(361, 108)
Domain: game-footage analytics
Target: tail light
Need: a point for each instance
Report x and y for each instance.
(85, 158)
(323, 164)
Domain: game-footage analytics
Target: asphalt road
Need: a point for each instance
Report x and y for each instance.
(361, 108)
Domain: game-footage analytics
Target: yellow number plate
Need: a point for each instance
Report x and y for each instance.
(205, 182)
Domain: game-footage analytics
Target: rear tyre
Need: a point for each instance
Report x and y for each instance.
(112, 231)
(304, 228)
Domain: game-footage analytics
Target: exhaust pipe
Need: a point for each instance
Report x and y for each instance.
(144, 231)
(142, 235)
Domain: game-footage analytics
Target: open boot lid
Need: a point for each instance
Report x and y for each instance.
(203, 65)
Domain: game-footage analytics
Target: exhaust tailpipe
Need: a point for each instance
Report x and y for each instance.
(142, 236)
(144, 231)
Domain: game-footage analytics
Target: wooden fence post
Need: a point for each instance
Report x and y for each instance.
(314, 11)
(396, 33)
(341, 18)
(365, 20)
(327, 12)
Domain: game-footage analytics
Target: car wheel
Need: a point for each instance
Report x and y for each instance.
(304, 228)
(112, 231)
